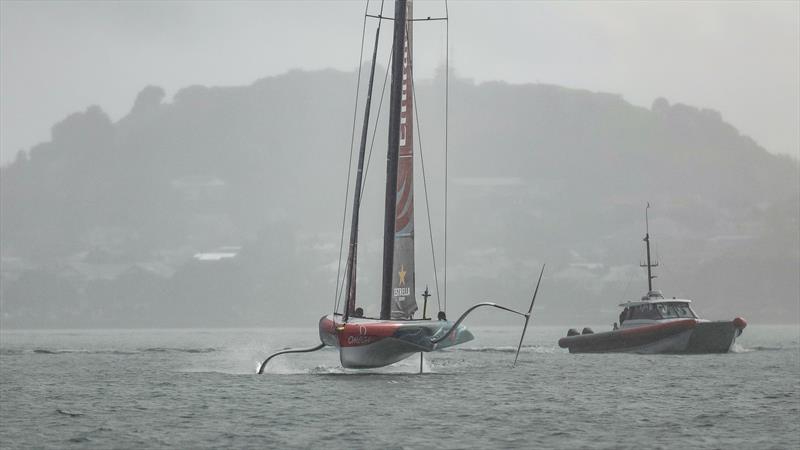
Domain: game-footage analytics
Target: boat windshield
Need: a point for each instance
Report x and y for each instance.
(675, 310)
(646, 311)
(656, 311)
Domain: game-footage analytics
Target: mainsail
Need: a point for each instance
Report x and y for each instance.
(404, 302)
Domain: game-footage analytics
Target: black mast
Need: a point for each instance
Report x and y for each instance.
(650, 275)
(391, 158)
(352, 256)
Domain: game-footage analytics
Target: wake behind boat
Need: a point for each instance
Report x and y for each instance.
(367, 342)
(656, 324)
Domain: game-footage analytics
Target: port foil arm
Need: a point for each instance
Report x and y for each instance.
(283, 352)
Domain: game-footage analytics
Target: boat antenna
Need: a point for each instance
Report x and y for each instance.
(425, 295)
(649, 265)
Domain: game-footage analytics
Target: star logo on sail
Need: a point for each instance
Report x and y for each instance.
(402, 275)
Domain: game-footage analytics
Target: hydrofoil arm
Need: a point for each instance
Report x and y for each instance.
(526, 315)
(466, 313)
(290, 350)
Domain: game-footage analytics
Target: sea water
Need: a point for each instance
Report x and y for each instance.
(198, 389)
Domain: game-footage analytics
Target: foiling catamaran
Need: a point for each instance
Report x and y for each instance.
(365, 342)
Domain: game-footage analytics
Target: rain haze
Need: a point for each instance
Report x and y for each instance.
(229, 225)
(152, 147)
(739, 58)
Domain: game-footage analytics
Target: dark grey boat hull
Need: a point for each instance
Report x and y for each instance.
(680, 337)
(713, 337)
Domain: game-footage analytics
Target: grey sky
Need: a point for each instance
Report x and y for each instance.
(741, 58)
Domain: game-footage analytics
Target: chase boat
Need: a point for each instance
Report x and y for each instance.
(656, 324)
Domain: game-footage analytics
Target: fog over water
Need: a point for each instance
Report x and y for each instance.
(175, 195)
(184, 163)
(740, 58)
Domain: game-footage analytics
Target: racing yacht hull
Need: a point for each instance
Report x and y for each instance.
(370, 343)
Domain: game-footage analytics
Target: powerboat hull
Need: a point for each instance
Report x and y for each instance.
(714, 337)
(370, 343)
(677, 337)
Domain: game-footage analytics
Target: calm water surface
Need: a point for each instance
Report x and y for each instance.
(197, 389)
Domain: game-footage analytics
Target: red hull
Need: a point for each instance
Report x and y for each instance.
(370, 343)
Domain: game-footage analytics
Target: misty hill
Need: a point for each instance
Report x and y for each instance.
(223, 207)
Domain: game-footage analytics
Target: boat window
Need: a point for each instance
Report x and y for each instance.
(645, 312)
(682, 310)
(668, 311)
(674, 310)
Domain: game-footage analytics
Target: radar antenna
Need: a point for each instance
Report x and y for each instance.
(649, 264)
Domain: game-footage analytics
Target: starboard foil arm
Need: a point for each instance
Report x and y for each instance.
(466, 313)
(290, 350)
(528, 316)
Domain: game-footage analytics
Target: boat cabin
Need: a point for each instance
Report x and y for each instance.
(654, 307)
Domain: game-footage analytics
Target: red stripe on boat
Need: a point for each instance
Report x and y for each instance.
(358, 333)
(355, 334)
(606, 338)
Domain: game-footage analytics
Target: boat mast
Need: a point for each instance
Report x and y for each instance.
(352, 256)
(650, 275)
(404, 303)
(392, 157)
